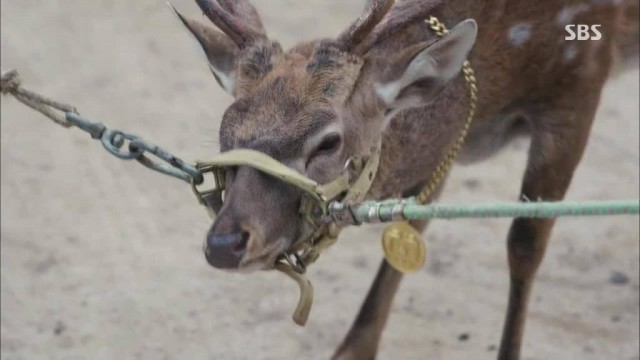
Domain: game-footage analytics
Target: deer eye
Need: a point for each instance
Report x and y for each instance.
(329, 145)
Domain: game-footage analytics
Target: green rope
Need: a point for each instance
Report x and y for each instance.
(409, 210)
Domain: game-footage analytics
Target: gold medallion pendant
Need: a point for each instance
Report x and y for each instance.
(403, 247)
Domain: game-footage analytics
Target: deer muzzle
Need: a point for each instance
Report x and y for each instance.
(314, 235)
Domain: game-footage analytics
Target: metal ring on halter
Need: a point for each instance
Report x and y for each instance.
(385, 216)
(297, 265)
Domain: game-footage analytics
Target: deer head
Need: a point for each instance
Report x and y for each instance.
(311, 108)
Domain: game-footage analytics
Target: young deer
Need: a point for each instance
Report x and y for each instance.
(389, 75)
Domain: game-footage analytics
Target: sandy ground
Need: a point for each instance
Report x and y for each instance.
(101, 259)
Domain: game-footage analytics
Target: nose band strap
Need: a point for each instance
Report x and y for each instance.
(352, 184)
(263, 163)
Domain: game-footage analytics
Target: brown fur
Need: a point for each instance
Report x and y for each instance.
(543, 86)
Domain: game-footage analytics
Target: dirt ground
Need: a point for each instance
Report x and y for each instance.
(101, 259)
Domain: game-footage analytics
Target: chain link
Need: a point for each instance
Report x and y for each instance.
(112, 140)
(445, 165)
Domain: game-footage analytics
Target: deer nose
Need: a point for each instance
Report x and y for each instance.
(224, 249)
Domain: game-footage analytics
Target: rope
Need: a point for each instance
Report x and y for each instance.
(393, 210)
(11, 84)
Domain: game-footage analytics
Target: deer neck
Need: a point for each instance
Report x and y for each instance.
(416, 141)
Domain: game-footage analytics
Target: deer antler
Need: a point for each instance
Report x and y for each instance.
(404, 14)
(360, 28)
(222, 16)
(243, 10)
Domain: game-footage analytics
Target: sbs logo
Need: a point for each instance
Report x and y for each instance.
(582, 32)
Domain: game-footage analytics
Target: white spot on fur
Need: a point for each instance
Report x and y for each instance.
(519, 34)
(569, 12)
(569, 53)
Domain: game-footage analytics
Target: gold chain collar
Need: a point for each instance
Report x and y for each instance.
(402, 244)
(443, 168)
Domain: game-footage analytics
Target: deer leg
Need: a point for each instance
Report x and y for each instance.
(362, 340)
(555, 152)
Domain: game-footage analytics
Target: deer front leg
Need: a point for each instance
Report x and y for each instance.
(554, 154)
(362, 340)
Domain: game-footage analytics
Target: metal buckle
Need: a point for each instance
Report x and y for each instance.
(297, 265)
(211, 197)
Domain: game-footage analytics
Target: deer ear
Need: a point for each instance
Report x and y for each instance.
(418, 78)
(220, 51)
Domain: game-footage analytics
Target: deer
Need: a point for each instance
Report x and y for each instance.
(388, 76)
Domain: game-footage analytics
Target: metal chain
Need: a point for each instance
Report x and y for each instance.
(443, 168)
(112, 140)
